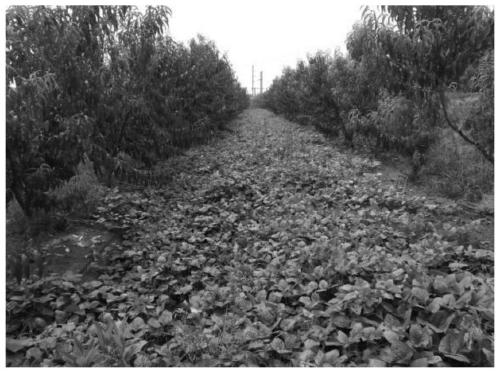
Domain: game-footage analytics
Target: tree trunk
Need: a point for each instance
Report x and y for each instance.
(489, 157)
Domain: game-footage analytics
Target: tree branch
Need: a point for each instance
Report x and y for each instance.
(455, 128)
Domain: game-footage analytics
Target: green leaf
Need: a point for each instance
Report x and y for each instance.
(440, 285)
(331, 357)
(391, 336)
(278, 345)
(165, 317)
(440, 321)
(458, 357)
(93, 284)
(154, 323)
(452, 342)
(310, 344)
(418, 336)
(422, 362)
(34, 353)
(435, 304)
(376, 363)
(435, 359)
(132, 350)
(490, 356)
(402, 351)
(342, 338)
(15, 345)
(341, 321)
(185, 289)
(370, 334)
(137, 324)
(420, 294)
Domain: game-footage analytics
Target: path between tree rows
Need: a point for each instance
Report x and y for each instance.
(272, 247)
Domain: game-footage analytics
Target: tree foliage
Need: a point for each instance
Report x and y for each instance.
(436, 45)
(392, 87)
(104, 80)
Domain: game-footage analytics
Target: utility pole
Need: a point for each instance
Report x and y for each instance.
(260, 81)
(253, 89)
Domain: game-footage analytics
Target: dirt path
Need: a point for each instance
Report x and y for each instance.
(270, 247)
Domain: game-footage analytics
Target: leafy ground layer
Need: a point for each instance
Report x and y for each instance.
(269, 248)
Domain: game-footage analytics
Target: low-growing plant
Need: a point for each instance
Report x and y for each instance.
(456, 169)
(81, 355)
(81, 193)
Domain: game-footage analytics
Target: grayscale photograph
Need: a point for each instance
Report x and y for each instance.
(236, 183)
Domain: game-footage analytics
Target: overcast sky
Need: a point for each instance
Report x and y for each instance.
(269, 34)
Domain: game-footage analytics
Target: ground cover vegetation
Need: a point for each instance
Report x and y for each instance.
(417, 81)
(267, 244)
(269, 247)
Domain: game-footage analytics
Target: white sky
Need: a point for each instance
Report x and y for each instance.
(269, 34)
